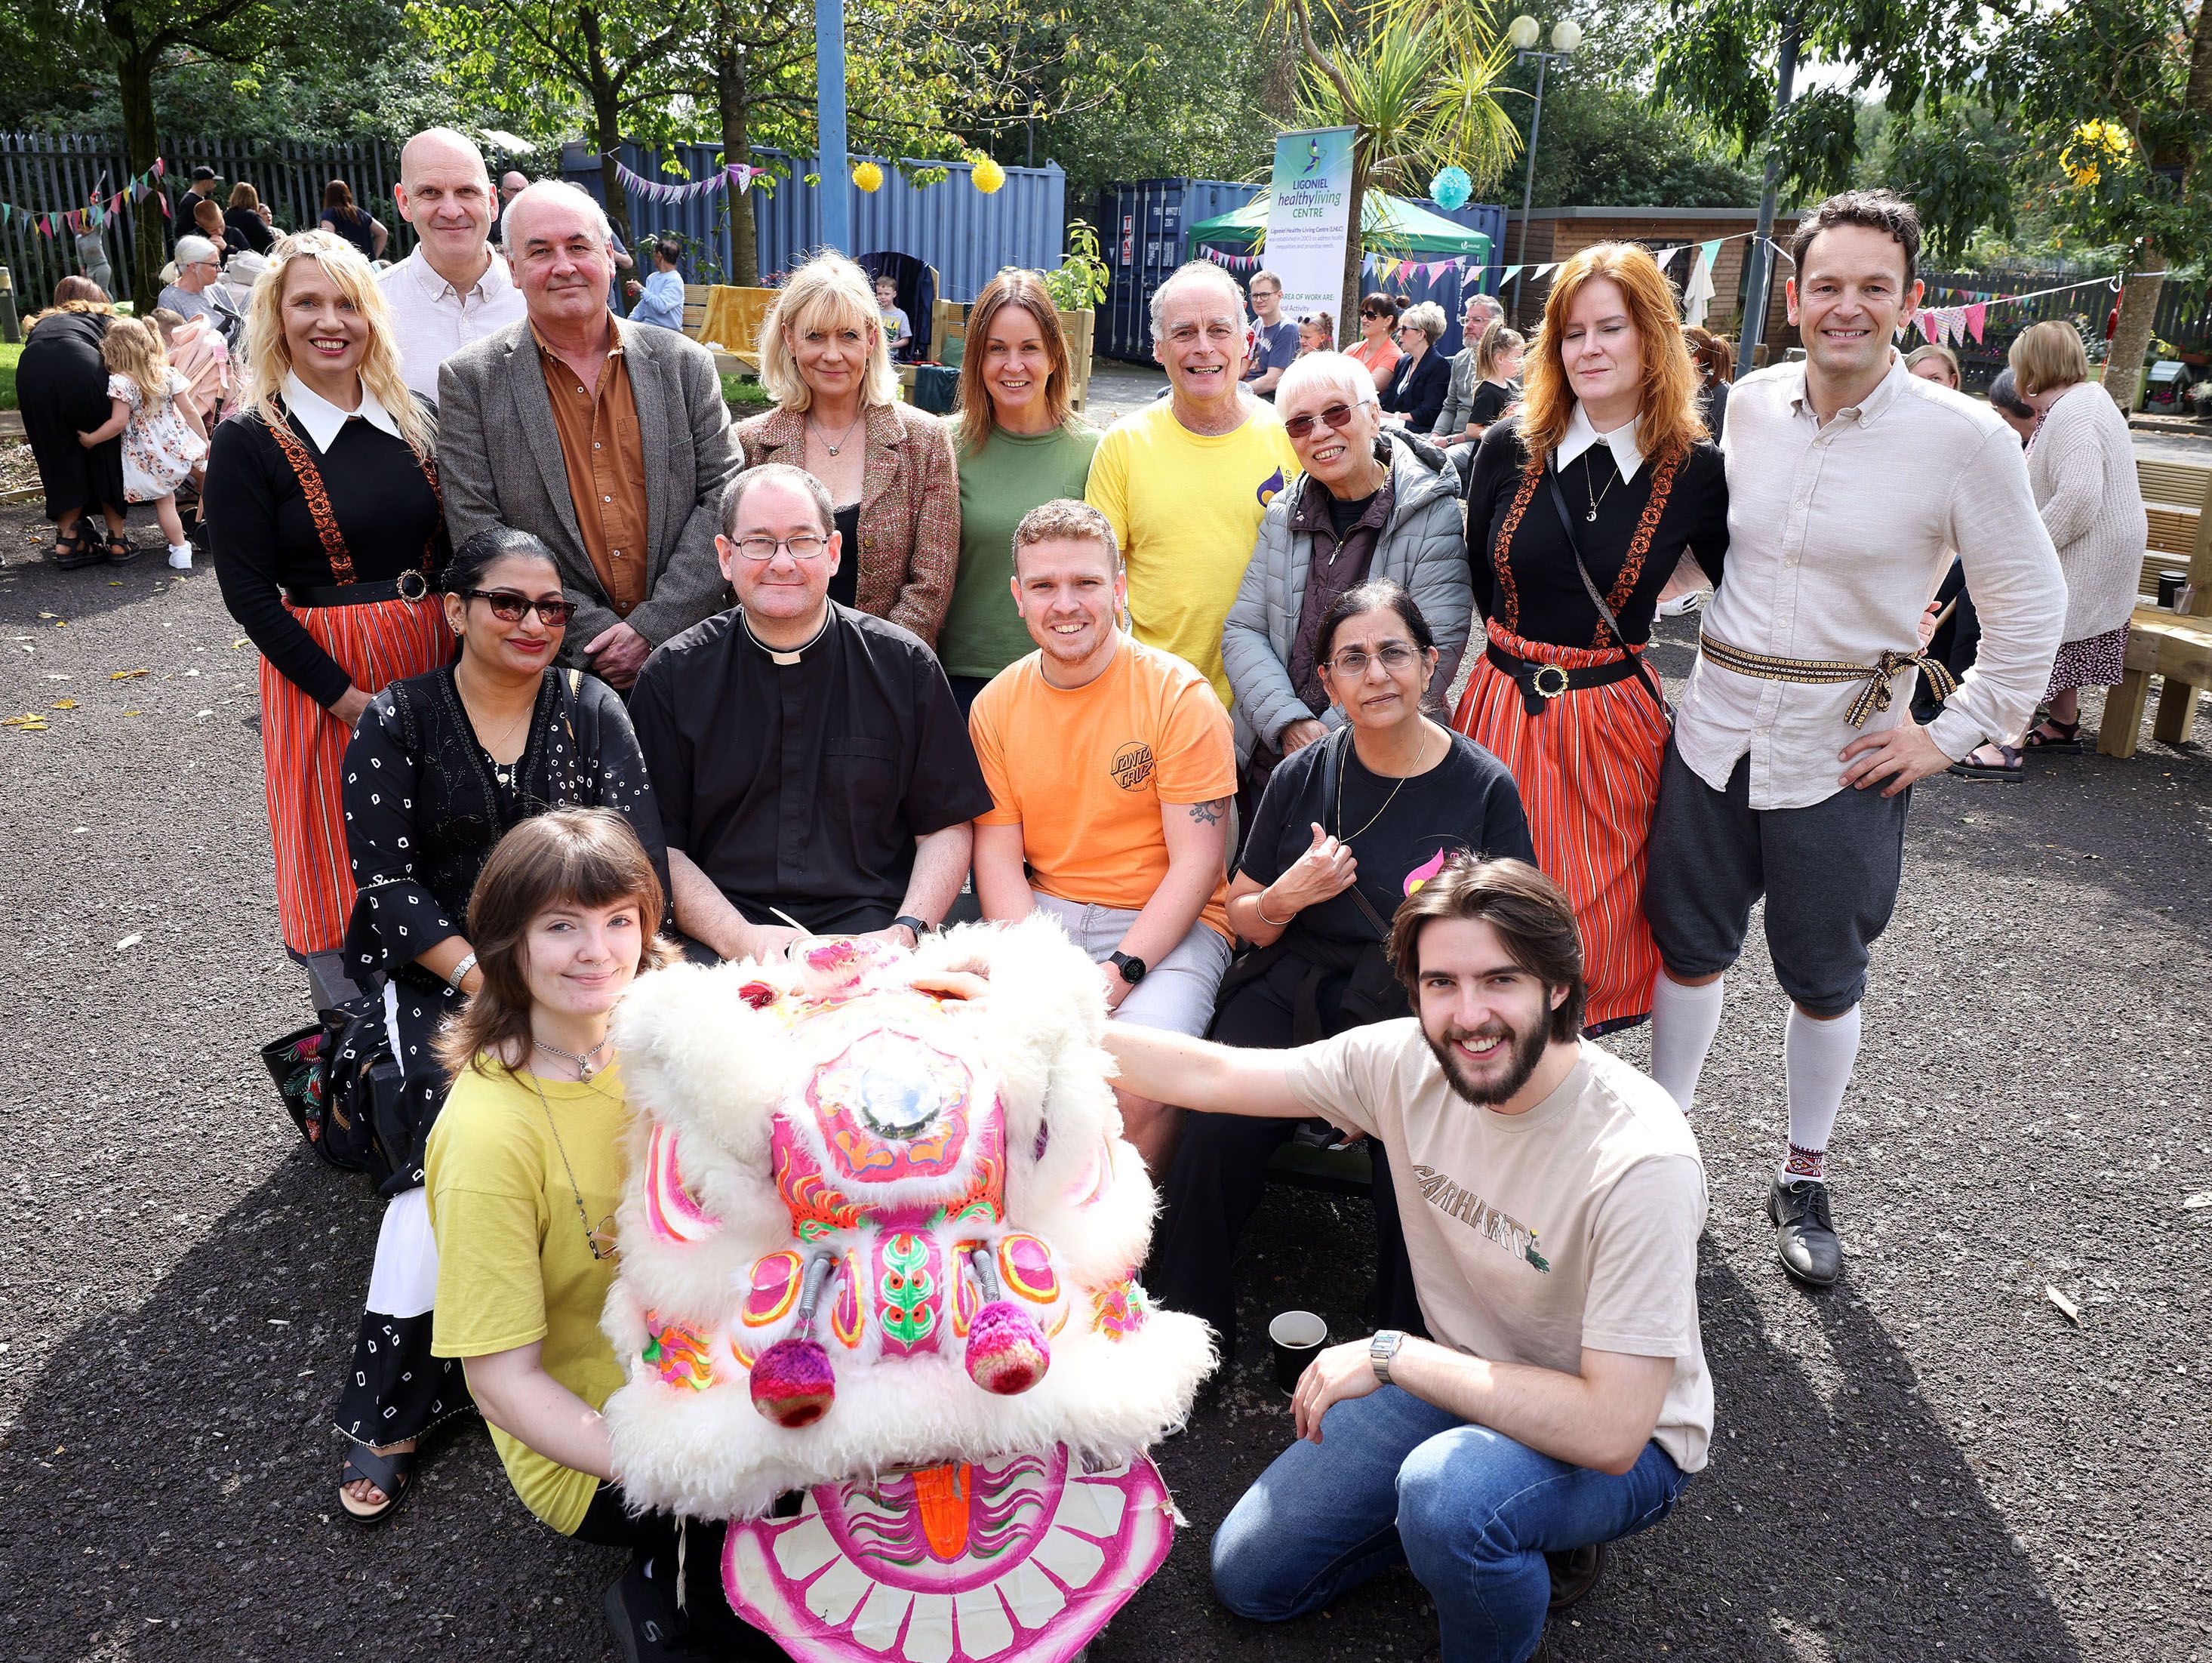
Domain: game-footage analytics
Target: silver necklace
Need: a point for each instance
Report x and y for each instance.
(1591, 517)
(843, 439)
(583, 1216)
(584, 1066)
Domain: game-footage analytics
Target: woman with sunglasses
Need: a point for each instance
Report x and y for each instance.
(1370, 503)
(526, 1171)
(440, 766)
(1582, 505)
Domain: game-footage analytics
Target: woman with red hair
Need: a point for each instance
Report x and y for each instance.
(1578, 511)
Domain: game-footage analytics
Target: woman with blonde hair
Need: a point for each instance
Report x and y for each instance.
(1933, 364)
(1415, 397)
(1579, 509)
(2081, 466)
(329, 536)
(888, 466)
(1019, 444)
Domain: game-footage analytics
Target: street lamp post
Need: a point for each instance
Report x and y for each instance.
(832, 165)
(1522, 34)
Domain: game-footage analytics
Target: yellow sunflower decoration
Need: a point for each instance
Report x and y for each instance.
(2097, 144)
(868, 177)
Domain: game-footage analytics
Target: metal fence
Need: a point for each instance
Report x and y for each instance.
(2183, 315)
(951, 225)
(43, 174)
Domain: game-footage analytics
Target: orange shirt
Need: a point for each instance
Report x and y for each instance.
(1382, 354)
(604, 458)
(1084, 772)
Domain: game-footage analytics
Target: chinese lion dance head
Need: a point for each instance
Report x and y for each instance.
(867, 1228)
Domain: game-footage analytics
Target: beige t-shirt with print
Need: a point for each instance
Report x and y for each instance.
(1534, 1235)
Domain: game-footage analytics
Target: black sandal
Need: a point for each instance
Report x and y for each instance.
(80, 549)
(121, 550)
(393, 1474)
(2010, 771)
(2069, 735)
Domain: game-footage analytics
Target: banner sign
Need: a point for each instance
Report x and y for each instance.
(1310, 213)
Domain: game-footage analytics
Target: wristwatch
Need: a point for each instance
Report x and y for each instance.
(1380, 1349)
(916, 925)
(1133, 970)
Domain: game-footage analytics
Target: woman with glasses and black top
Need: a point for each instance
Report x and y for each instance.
(525, 1173)
(1349, 825)
(441, 767)
(1578, 511)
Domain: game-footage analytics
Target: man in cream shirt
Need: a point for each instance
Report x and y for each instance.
(453, 289)
(1850, 485)
(1552, 1198)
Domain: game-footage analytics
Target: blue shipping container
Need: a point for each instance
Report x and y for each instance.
(1145, 228)
(967, 236)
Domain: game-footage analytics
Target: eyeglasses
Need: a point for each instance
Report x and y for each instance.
(1395, 656)
(805, 547)
(1335, 415)
(510, 607)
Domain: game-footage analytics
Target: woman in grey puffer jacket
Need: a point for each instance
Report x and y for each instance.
(1367, 506)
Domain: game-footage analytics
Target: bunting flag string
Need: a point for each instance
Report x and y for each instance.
(737, 173)
(95, 214)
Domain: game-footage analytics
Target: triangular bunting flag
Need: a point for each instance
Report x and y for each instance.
(1711, 251)
(1977, 315)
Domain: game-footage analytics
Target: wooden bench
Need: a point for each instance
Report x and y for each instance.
(2178, 498)
(738, 358)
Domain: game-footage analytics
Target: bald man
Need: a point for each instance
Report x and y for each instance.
(454, 288)
(511, 186)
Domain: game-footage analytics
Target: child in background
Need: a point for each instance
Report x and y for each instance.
(163, 439)
(898, 329)
(1497, 369)
(1316, 333)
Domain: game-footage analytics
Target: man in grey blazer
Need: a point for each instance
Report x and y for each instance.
(608, 441)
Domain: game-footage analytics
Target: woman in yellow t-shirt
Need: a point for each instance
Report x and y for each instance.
(524, 1170)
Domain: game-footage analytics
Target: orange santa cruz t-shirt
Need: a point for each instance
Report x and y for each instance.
(1084, 771)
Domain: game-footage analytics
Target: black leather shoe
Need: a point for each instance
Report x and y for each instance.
(1804, 1233)
(1574, 1574)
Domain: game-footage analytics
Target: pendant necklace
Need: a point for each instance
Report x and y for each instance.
(1591, 517)
(585, 1067)
(843, 439)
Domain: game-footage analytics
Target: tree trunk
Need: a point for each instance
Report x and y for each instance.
(1355, 249)
(606, 122)
(2139, 299)
(140, 145)
(737, 147)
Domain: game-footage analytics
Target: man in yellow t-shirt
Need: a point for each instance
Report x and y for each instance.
(1111, 767)
(1185, 481)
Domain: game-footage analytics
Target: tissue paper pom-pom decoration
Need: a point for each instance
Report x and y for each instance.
(791, 1383)
(1450, 189)
(868, 176)
(1006, 1351)
(988, 175)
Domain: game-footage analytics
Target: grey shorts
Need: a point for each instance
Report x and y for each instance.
(1829, 873)
(1176, 994)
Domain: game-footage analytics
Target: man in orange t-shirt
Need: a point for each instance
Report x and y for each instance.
(1111, 766)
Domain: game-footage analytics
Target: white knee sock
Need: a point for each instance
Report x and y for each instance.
(1684, 1020)
(1817, 1058)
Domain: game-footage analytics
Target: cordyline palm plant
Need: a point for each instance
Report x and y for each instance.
(1417, 80)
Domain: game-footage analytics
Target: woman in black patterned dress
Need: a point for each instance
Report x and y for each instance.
(438, 768)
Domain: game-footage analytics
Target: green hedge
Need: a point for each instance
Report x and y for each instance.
(8, 356)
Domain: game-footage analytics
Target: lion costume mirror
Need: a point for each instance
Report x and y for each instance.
(878, 1247)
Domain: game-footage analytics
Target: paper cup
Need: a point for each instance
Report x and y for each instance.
(1297, 1337)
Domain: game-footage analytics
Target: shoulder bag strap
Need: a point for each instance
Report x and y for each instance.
(1567, 524)
(1331, 770)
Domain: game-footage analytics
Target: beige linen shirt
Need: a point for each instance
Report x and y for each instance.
(1532, 1236)
(1838, 536)
(432, 320)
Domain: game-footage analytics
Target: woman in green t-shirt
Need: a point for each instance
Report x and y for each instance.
(524, 1171)
(1018, 444)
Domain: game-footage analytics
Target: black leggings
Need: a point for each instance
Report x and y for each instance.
(705, 1616)
(1220, 1169)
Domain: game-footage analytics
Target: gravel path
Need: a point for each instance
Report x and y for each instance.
(1931, 1462)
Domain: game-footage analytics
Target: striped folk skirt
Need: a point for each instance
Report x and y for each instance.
(303, 751)
(1588, 767)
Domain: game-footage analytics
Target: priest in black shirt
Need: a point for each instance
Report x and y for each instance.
(812, 767)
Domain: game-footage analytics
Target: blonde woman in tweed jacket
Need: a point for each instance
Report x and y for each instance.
(2081, 466)
(888, 466)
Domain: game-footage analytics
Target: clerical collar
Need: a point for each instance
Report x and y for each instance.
(775, 654)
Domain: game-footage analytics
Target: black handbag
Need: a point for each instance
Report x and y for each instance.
(338, 1079)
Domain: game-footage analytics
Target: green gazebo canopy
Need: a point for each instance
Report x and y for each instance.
(1389, 225)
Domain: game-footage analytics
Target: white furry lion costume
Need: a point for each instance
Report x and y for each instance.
(867, 1228)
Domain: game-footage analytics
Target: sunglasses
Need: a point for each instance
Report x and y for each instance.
(1336, 415)
(509, 607)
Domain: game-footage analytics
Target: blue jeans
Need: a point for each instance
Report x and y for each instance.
(1396, 1480)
